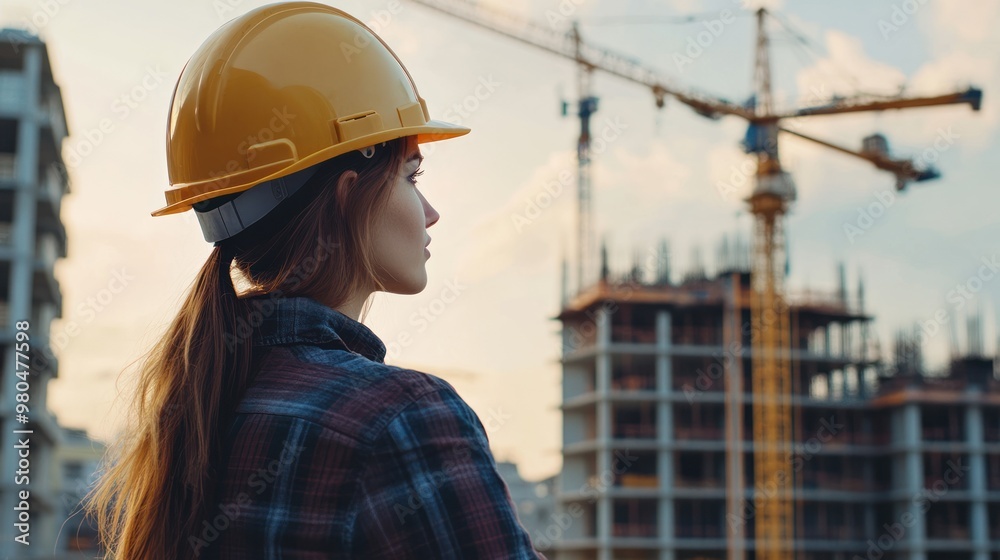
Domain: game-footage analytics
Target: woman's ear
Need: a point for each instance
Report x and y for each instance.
(344, 183)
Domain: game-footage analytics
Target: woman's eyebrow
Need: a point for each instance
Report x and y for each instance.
(416, 156)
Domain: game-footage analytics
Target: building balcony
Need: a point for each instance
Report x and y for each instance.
(46, 251)
(935, 481)
(690, 531)
(698, 433)
(633, 335)
(8, 167)
(637, 480)
(942, 434)
(832, 533)
(55, 117)
(634, 431)
(696, 336)
(634, 382)
(51, 189)
(832, 481)
(952, 532)
(699, 483)
(647, 530)
(13, 87)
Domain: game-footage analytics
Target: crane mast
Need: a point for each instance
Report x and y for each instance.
(770, 375)
(586, 106)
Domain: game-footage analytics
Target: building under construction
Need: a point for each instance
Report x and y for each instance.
(33, 181)
(889, 462)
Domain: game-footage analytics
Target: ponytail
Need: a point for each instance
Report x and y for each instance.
(188, 387)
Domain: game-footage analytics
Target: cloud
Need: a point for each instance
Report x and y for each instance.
(846, 69)
(518, 233)
(959, 24)
(965, 52)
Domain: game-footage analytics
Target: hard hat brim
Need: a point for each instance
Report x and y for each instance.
(185, 195)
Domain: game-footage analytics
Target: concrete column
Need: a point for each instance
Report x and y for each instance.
(663, 348)
(665, 436)
(732, 362)
(978, 526)
(845, 340)
(868, 473)
(914, 479)
(19, 302)
(604, 433)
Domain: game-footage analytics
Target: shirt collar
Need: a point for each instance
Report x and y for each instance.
(301, 319)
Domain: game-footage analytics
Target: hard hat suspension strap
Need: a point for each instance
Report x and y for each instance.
(251, 205)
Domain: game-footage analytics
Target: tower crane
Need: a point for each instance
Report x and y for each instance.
(769, 202)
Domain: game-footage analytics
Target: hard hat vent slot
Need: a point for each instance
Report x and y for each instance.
(357, 125)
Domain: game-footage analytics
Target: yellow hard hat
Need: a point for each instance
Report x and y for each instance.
(276, 91)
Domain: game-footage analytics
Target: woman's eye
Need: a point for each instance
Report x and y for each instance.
(417, 173)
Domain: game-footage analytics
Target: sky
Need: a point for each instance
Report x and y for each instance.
(484, 321)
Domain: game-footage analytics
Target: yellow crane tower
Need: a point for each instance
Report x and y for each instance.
(769, 202)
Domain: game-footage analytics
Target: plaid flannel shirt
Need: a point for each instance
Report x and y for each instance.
(334, 454)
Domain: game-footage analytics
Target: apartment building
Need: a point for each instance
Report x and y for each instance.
(33, 181)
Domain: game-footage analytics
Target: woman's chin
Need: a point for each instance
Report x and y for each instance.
(409, 286)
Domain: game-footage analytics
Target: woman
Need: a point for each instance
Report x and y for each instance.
(267, 423)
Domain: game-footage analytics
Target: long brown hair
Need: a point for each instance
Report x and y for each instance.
(156, 481)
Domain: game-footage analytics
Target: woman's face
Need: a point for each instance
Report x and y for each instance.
(400, 235)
